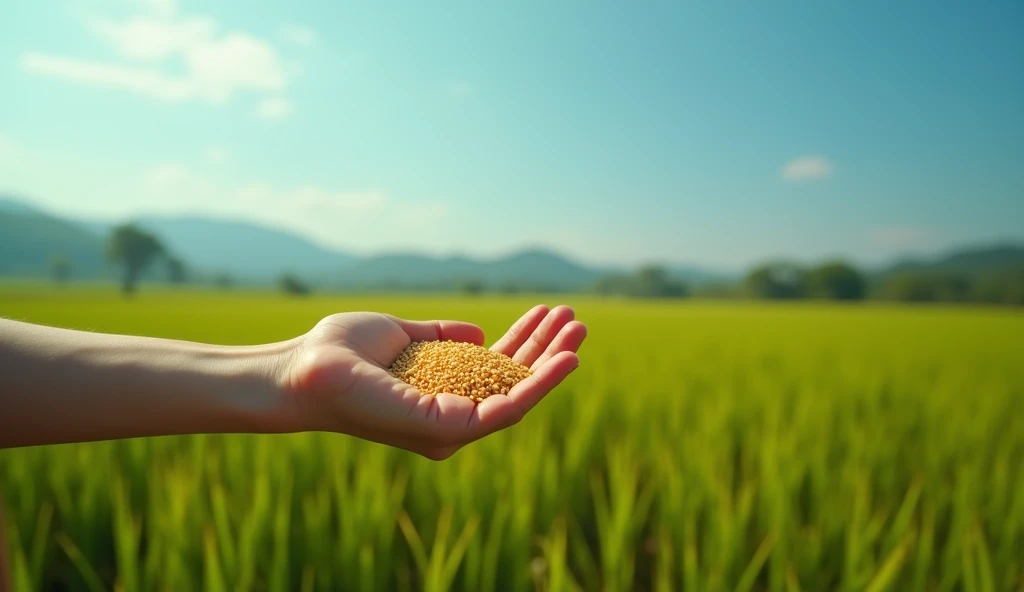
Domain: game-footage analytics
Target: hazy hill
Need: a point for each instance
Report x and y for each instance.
(967, 261)
(532, 269)
(245, 250)
(13, 205)
(29, 239)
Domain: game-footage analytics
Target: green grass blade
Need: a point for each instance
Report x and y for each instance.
(970, 571)
(81, 563)
(986, 577)
(890, 569)
(419, 553)
(366, 571)
(492, 548)
(454, 555)
(40, 538)
(20, 576)
(222, 527)
(126, 539)
(746, 582)
(282, 542)
(904, 516)
(435, 570)
(213, 576)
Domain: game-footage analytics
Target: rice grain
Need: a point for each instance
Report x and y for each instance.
(462, 369)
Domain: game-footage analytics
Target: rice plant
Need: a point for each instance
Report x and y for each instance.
(700, 446)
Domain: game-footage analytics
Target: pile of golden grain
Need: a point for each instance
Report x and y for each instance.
(458, 368)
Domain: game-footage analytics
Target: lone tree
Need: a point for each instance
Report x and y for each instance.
(60, 269)
(836, 280)
(134, 249)
(292, 285)
(176, 272)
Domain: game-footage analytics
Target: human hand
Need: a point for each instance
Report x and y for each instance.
(337, 379)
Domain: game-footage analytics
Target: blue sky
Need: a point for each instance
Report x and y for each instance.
(703, 132)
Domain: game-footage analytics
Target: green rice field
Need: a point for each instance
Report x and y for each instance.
(701, 446)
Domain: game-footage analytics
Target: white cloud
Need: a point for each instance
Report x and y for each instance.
(806, 168)
(152, 39)
(900, 236)
(274, 108)
(143, 81)
(235, 62)
(213, 66)
(298, 35)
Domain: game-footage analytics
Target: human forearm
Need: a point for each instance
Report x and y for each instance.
(71, 386)
(58, 385)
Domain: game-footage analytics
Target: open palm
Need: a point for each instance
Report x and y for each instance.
(339, 381)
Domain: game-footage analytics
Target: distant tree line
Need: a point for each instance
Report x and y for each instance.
(648, 282)
(991, 288)
(135, 251)
(832, 280)
(838, 280)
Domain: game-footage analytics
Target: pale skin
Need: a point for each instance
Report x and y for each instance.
(61, 386)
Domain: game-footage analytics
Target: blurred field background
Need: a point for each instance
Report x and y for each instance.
(701, 446)
(793, 230)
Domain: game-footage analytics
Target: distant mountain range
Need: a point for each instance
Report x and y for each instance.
(534, 269)
(245, 250)
(970, 261)
(30, 238)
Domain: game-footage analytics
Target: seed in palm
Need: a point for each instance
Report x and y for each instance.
(462, 369)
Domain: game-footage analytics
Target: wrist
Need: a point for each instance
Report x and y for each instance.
(256, 386)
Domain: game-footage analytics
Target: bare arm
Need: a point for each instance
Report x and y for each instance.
(60, 386)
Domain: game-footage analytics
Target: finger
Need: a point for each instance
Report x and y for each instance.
(498, 412)
(570, 338)
(441, 331)
(494, 413)
(529, 392)
(517, 335)
(541, 338)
